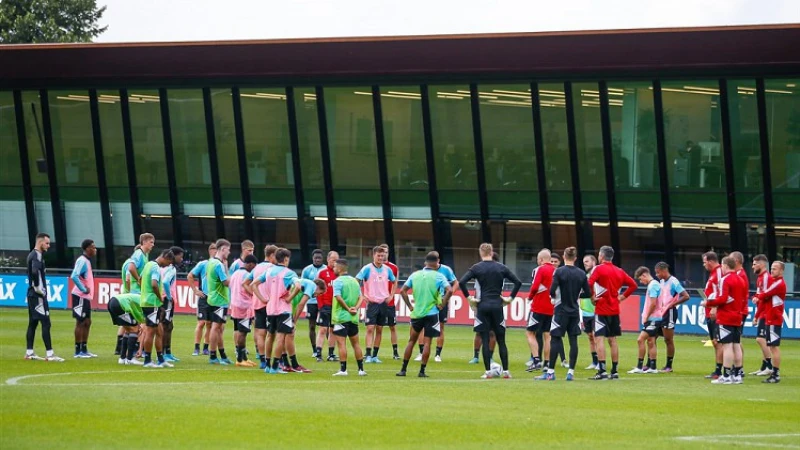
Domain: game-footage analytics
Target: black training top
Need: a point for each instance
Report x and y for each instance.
(490, 275)
(36, 276)
(568, 281)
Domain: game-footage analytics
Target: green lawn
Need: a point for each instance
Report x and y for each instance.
(97, 403)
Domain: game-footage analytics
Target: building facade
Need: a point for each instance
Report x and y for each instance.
(662, 143)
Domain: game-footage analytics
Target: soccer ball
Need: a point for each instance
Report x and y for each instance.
(496, 369)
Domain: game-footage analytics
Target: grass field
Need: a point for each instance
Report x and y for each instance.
(97, 403)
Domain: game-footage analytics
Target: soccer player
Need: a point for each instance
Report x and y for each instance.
(126, 313)
(241, 305)
(606, 281)
(169, 277)
(38, 307)
(391, 310)
(280, 289)
(151, 304)
(430, 286)
(139, 258)
(587, 311)
(672, 294)
(325, 303)
(201, 293)
(248, 248)
(763, 281)
(347, 295)
(652, 315)
(491, 275)
(712, 291)
(738, 259)
(259, 307)
(310, 272)
(83, 292)
(541, 311)
(729, 320)
(772, 299)
(218, 301)
(555, 260)
(378, 284)
(478, 325)
(443, 312)
(306, 290)
(567, 284)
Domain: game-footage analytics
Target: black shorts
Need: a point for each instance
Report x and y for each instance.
(376, 314)
(761, 329)
(261, 319)
(443, 313)
(711, 324)
(324, 319)
(727, 334)
(539, 323)
(588, 324)
(347, 329)
(669, 318)
(243, 325)
(152, 316)
(38, 308)
(81, 308)
(430, 324)
(565, 325)
(774, 335)
(202, 310)
(607, 326)
(491, 319)
(118, 315)
(169, 310)
(391, 316)
(312, 311)
(217, 314)
(281, 323)
(652, 327)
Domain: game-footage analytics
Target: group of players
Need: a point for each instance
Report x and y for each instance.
(267, 299)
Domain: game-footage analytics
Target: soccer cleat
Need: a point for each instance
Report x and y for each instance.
(341, 373)
(279, 371)
(529, 362)
(152, 365)
(319, 359)
(225, 362)
(396, 357)
(196, 353)
(402, 373)
(437, 358)
(763, 373)
(375, 360)
(240, 364)
(713, 376)
(122, 361)
(487, 375)
(599, 376)
(54, 358)
(170, 357)
(531, 368)
(33, 357)
(592, 367)
(772, 379)
(368, 360)
(565, 364)
(214, 361)
(506, 374)
(315, 355)
(362, 373)
(81, 355)
(614, 376)
(91, 355)
(473, 361)
(570, 377)
(333, 358)
(133, 362)
(722, 380)
(165, 364)
(649, 370)
(667, 370)
(205, 352)
(250, 363)
(268, 370)
(755, 373)
(636, 370)
(262, 365)
(289, 369)
(422, 375)
(418, 358)
(737, 380)
(546, 377)
(301, 369)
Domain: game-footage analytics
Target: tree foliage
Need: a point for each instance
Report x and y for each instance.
(33, 21)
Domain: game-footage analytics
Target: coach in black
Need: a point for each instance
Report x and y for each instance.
(38, 308)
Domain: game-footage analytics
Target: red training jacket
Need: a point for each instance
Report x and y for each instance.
(712, 285)
(540, 289)
(605, 283)
(773, 296)
(729, 302)
(327, 275)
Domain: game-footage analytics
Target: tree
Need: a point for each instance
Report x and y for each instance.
(32, 21)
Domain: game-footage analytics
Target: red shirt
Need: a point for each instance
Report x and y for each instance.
(742, 274)
(712, 289)
(605, 283)
(540, 289)
(773, 298)
(729, 302)
(327, 275)
(396, 273)
(762, 283)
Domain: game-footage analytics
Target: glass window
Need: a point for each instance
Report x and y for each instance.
(305, 100)
(113, 138)
(454, 151)
(783, 126)
(465, 236)
(76, 170)
(518, 244)
(357, 239)
(589, 140)
(413, 240)
(13, 219)
(556, 151)
(642, 244)
(405, 152)
(509, 153)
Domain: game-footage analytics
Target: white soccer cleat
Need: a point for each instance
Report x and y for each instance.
(722, 380)
(506, 374)
(636, 370)
(437, 358)
(33, 357)
(341, 373)
(418, 358)
(592, 367)
(152, 365)
(166, 364)
(737, 380)
(122, 361)
(763, 373)
(133, 362)
(91, 355)
(649, 370)
(528, 363)
(487, 375)
(362, 373)
(54, 358)
(565, 364)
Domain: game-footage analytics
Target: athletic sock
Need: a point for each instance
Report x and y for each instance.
(369, 352)
(120, 338)
(147, 358)
(262, 358)
(726, 371)
(421, 348)
(718, 369)
(602, 364)
(614, 366)
(763, 364)
(422, 368)
(536, 360)
(375, 352)
(318, 351)
(132, 338)
(205, 347)
(84, 349)
(776, 372)
(476, 353)
(438, 351)
(222, 354)
(197, 347)
(736, 371)
(405, 365)
(160, 357)
(669, 361)
(293, 359)
(275, 363)
(168, 350)
(594, 358)
(769, 363)
(330, 351)
(77, 347)
(123, 346)
(212, 354)
(639, 363)
(285, 359)
(239, 354)
(343, 366)
(394, 349)
(360, 363)
(653, 364)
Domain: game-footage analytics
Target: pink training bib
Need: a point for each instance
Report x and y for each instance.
(87, 280)
(241, 300)
(277, 294)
